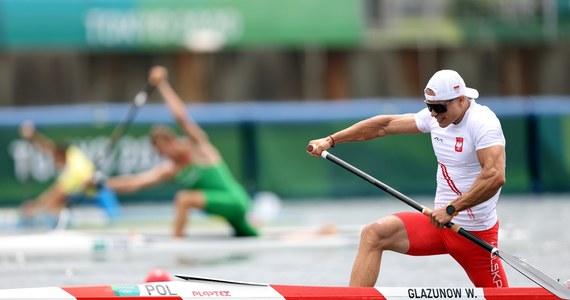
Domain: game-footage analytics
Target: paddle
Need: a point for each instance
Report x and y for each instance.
(138, 101)
(517, 263)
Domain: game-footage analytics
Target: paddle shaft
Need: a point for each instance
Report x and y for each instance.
(409, 201)
(139, 100)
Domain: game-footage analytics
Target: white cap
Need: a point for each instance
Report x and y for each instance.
(447, 85)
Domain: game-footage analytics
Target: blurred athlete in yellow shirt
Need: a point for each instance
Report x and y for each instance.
(76, 171)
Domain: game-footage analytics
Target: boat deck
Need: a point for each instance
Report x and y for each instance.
(219, 290)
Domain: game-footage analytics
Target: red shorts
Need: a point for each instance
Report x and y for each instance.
(484, 269)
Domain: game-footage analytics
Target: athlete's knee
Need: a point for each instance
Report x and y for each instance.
(186, 199)
(378, 235)
(181, 199)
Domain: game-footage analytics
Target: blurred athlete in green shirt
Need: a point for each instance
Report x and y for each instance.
(195, 163)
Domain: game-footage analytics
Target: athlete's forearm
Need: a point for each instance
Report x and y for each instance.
(490, 179)
(484, 188)
(178, 109)
(41, 142)
(134, 182)
(173, 101)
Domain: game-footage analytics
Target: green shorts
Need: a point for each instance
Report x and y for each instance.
(232, 206)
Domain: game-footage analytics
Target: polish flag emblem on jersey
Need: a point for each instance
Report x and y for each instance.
(458, 144)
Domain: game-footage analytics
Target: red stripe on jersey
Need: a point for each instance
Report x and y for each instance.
(470, 214)
(449, 180)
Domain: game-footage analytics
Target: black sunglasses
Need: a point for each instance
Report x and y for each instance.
(439, 108)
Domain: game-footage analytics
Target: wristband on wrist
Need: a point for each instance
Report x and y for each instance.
(332, 139)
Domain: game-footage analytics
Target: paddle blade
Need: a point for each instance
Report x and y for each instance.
(534, 274)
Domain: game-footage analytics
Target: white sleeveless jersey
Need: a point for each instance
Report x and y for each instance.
(455, 149)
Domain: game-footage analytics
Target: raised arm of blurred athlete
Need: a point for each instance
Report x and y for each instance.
(53, 198)
(371, 128)
(203, 151)
(200, 148)
(28, 131)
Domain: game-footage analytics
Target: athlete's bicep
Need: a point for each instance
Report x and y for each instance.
(402, 124)
(493, 160)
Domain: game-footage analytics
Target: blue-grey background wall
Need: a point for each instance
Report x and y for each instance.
(264, 145)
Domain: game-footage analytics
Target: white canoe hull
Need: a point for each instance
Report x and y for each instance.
(208, 289)
(71, 245)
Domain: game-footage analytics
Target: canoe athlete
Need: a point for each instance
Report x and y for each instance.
(76, 171)
(195, 163)
(469, 145)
